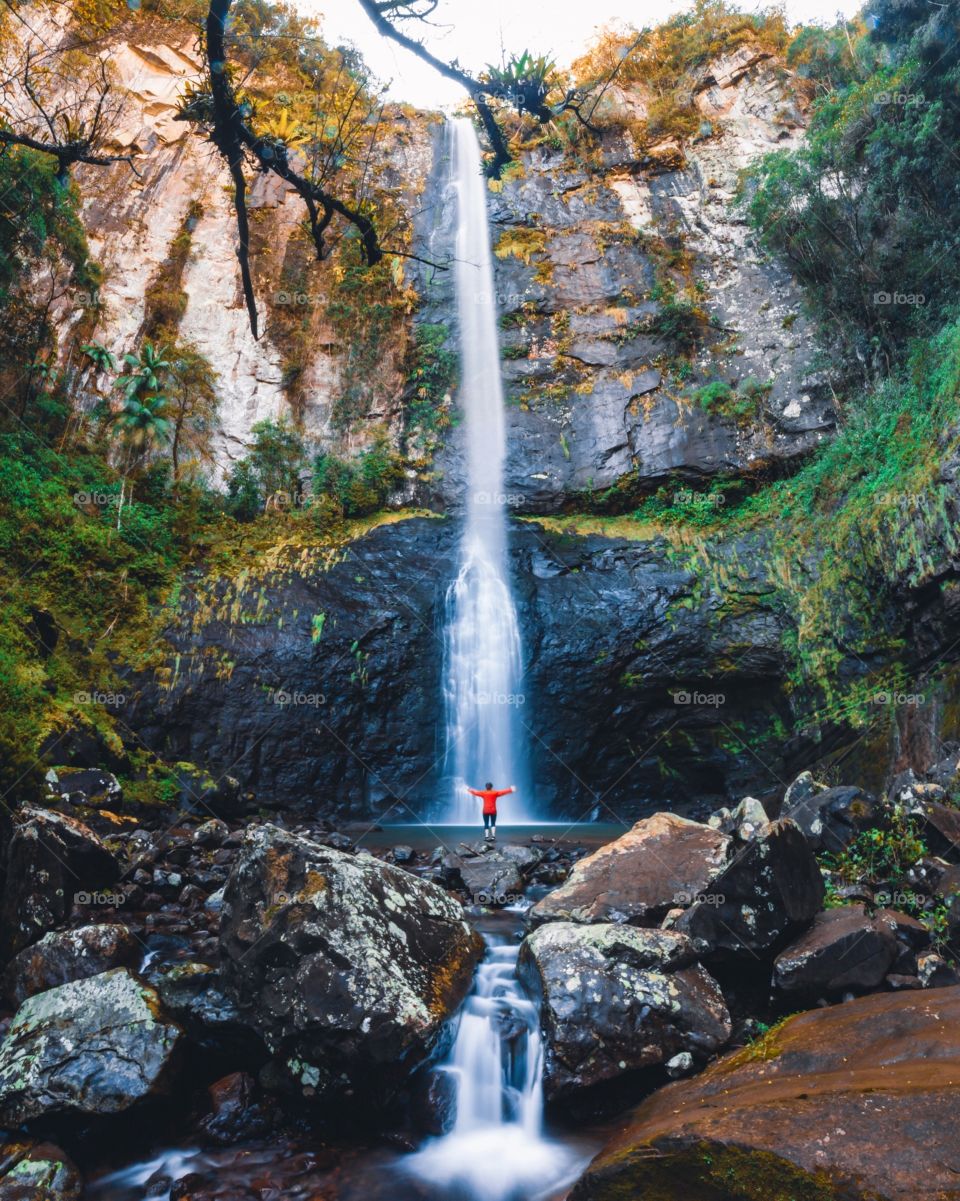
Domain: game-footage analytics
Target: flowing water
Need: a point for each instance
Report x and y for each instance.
(497, 1149)
(482, 658)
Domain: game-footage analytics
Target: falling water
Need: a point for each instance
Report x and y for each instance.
(496, 1150)
(482, 661)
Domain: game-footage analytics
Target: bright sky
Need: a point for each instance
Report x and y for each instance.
(474, 30)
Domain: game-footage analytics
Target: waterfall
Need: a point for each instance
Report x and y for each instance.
(496, 1150)
(482, 657)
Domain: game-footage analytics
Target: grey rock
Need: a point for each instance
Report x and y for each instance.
(844, 948)
(771, 886)
(94, 1047)
(52, 861)
(615, 999)
(64, 956)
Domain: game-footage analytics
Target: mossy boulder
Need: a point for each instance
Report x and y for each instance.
(347, 968)
(35, 1171)
(838, 1104)
(93, 1047)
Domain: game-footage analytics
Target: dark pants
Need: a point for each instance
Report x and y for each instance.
(489, 821)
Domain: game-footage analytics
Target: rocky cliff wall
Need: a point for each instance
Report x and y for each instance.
(628, 284)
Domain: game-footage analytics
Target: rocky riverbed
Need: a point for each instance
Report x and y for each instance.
(277, 993)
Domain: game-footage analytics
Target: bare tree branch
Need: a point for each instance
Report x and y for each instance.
(380, 12)
(73, 124)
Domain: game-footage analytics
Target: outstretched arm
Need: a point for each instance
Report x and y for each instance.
(473, 792)
(505, 791)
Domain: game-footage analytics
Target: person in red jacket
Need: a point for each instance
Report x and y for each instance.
(489, 795)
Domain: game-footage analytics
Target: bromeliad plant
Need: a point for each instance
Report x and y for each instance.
(524, 81)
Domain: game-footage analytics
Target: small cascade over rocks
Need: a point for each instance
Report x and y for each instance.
(482, 657)
(497, 1150)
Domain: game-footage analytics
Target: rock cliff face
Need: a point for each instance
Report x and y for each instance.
(606, 270)
(177, 187)
(645, 341)
(316, 678)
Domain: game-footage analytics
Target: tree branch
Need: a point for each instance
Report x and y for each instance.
(475, 88)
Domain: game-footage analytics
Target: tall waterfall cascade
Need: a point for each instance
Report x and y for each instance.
(483, 670)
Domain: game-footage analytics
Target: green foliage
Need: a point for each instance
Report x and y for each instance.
(881, 854)
(63, 563)
(41, 239)
(525, 80)
(271, 474)
(364, 310)
(431, 376)
(833, 57)
(99, 356)
(165, 300)
(141, 423)
(867, 210)
(145, 371)
(358, 487)
(663, 60)
(738, 403)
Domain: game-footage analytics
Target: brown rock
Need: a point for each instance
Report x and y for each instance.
(67, 955)
(855, 1101)
(664, 862)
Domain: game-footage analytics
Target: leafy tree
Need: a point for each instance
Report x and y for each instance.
(867, 210)
(271, 475)
(191, 407)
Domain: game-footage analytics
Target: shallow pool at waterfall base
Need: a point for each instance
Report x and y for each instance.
(497, 1163)
(280, 1170)
(424, 836)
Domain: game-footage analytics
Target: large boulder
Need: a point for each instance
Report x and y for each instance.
(67, 955)
(96, 1046)
(845, 948)
(663, 863)
(770, 887)
(615, 999)
(347, 968)
(51, 860)
(940, 821)
(85, 786)
(192, 994)
(855, 1102)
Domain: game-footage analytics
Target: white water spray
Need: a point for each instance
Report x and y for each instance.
(482, 659)
(496, 1150)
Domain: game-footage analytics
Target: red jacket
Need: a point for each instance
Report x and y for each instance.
(489, 797)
